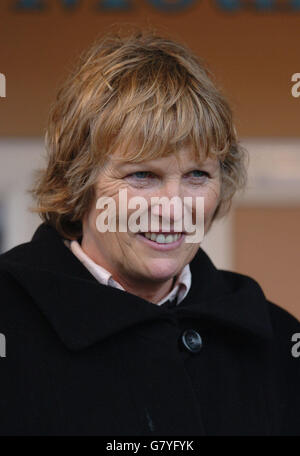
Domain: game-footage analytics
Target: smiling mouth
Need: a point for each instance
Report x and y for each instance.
(162, 238)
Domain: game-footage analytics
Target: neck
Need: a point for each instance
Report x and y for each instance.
(152, 292)
(148, 290)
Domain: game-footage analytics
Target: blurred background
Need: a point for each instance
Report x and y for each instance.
(251, 47)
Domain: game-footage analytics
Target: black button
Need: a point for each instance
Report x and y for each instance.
(192, 340)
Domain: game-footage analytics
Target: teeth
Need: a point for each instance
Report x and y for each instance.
(161, 238)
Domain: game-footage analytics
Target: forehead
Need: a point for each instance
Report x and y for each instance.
(181, 158)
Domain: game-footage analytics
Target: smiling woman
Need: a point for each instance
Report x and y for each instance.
(142, 97)
(124, 331)
(141, 267)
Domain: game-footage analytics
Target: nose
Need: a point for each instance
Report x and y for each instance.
(171, 204)
(172, 187)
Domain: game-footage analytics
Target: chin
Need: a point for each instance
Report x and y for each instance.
(163, 269)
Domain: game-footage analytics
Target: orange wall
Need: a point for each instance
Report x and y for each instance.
(252, 54)
(267, 248)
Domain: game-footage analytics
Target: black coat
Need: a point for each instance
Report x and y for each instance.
(87, 359)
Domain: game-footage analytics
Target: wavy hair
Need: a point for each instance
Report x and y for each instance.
(140, 87)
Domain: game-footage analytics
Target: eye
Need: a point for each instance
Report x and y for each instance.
(141, 174)
(197, 173)
(141, 179)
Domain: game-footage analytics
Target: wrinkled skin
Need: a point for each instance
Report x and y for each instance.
(139, 268)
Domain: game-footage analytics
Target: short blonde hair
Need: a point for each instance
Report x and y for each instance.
(143, 87)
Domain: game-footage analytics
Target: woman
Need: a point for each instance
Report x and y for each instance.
(134, 331)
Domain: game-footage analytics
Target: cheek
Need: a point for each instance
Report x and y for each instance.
(210, 205)
(140, 210)
(212, 196)
(110, 188)
(211, 202)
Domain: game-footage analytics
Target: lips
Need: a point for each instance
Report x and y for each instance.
(163, 238)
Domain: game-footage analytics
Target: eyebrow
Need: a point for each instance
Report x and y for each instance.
(132, 165)
(124, 164)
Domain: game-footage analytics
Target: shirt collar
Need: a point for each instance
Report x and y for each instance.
(179, 290)
(84, 312)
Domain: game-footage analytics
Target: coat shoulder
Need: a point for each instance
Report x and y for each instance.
(278, 314)
(17, 254)
(13, 295)
(282, 321)
(286, 328)
(14, 256)
(236, 280)
(282, 318)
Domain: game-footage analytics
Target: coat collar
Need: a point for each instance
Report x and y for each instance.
(83, 311)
